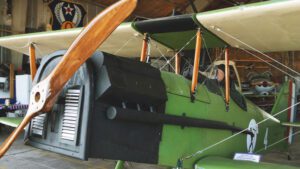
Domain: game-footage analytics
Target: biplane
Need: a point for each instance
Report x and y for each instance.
(94, 101)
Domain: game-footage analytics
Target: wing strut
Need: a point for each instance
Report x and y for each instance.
(177, 63)
(196, 62)
(32, 59)
(227, 78)
(144, 48)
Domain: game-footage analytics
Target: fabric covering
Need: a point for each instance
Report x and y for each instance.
(267, 26)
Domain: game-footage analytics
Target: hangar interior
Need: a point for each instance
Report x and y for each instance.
(130, 114)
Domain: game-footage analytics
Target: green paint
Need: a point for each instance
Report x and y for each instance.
(176, 40)
(178, 142)
(179, 85)
(10, 121)
(120, 164)
(224, 163)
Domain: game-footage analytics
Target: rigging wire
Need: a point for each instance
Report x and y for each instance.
(159, 50)
(169, 61)
(236, 134)
(256, 50)
(173, 57)
(124, 45)
(271, 64)
(271, 145)
(188, 61)
(268, 118)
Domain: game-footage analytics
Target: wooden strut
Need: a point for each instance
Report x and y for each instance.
(44, 94)
(11, 81)
(144, 48)
(196, 62)
(227, 78)
(32, 58)
(177, 63)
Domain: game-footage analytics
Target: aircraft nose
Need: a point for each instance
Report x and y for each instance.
(265, 84)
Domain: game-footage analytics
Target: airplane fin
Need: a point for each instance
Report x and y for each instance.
(281, 103)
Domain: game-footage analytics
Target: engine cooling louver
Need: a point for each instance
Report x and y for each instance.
(38, 125)
(71, 116)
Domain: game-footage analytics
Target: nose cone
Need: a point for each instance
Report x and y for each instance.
(265, 84)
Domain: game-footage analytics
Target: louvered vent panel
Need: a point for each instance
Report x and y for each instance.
(71, 116)
(38, 125)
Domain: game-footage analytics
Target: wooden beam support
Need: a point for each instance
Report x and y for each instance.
(32, 58)
(11, 81)
(177, 63)
(227, 78)
(144, 48)
(196, 62)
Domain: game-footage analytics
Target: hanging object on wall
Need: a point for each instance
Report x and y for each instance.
(66, 15)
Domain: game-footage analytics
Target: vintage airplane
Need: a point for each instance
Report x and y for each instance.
(92, 104)
(261, 82)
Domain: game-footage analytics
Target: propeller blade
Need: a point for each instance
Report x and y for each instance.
(44, 94)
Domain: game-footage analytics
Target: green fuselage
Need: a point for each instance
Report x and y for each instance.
(179, 142)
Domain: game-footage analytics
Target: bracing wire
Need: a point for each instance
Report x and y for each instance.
(271, 65)
(236, 134)
(124, 45)
(184, 46)
(162, 55)
(230, 137)
(277, 142)
(258, 51)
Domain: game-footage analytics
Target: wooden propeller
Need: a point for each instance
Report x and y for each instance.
(44, 94)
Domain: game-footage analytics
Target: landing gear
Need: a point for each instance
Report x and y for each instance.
(120, 164)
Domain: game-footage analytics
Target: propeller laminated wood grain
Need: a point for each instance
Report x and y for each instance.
(44, 94)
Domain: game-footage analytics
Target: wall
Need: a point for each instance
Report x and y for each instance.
(39, 14)
(247, 62)
(30, 16)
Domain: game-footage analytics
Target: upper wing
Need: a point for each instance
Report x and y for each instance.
(124, 41)
(267, 26)
(225, 163)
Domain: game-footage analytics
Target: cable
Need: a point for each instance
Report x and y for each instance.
(256, 50)
(236, 134)
(298, 132)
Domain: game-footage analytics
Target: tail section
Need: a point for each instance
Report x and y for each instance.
(281, 103)
(286, 101)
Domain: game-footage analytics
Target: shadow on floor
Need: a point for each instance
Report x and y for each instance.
(21, 156)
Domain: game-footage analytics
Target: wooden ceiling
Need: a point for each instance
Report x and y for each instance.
(153, 8)
(161, 8)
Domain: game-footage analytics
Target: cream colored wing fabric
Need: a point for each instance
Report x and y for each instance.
(124, 41)
(267, 26)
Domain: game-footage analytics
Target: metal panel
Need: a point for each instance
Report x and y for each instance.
(38, 125)
(71, 116)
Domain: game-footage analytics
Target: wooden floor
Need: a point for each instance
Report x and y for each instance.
(21, 156)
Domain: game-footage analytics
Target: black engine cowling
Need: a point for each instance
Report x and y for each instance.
(78, 126)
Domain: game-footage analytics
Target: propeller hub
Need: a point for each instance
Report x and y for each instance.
(39, 94)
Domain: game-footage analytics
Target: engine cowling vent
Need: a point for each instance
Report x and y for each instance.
(71, 116)
(38, 125)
